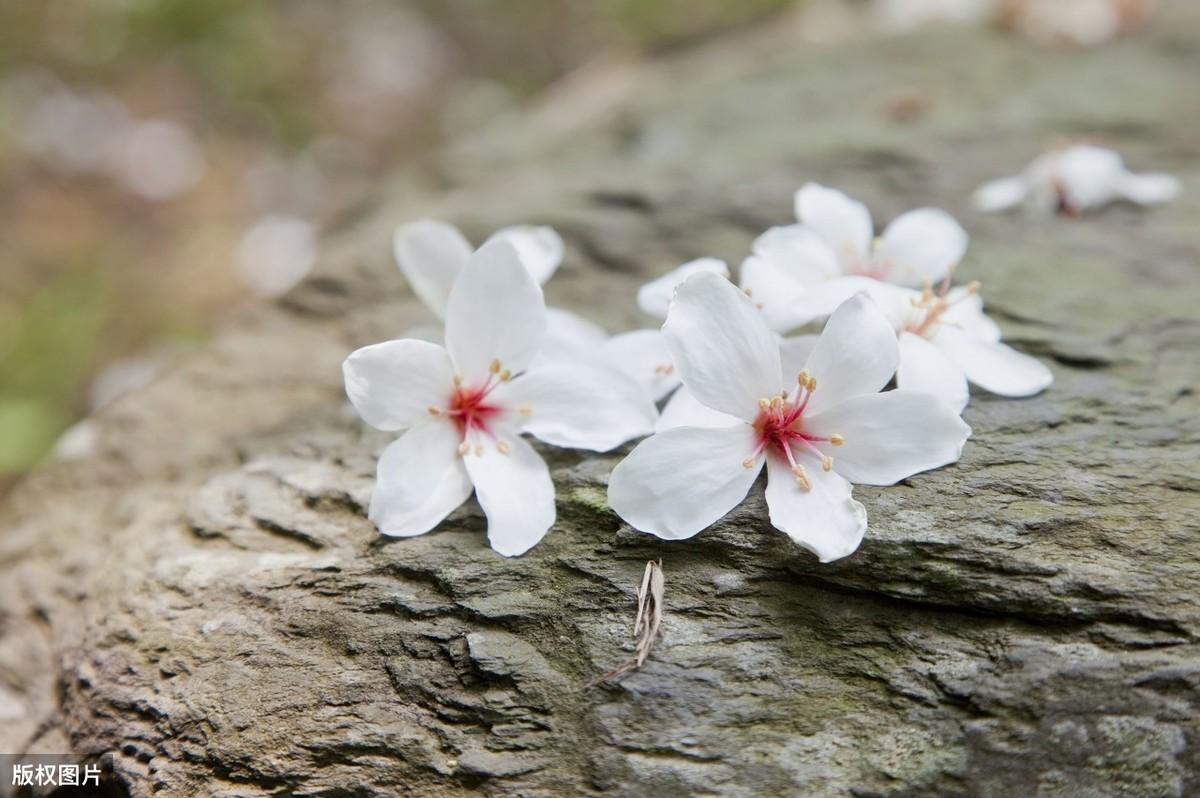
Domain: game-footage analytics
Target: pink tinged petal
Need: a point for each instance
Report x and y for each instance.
(891, 435)
(794, 352)
(856, 354)
(725, 353)
(420, 480)
(580, 406)
(392, 385)
(678, 482)
(1150, 188)
(495, 313)
(780, 297)
(921, 246)
(570, 336)
(514, 489)
(842, 223)
(994, 366)
(799, 252)
(431, 254)
(683, 410)
(1000, 195)
(541, 248)
(654, 298)
(823, 519)
(643, 356)
(925, 367)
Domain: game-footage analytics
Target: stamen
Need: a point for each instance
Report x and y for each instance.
(433, 411)
(464, 448)
(747, 292)
(764, 404)
(525, 410)
(827, 463)
(505, 375)
(495, 366)
(803, 377)
(836, 440)
(776, 402)
(664, 368)
(802, 477)
(458, 381)
(479, 450)
(503, 447)
(748, 462)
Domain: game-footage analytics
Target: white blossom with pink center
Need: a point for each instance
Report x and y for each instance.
(1073, 180)
(464, 406)
(831, 428)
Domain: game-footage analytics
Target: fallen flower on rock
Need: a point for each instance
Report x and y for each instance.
(464, 406)
(831, 428)
(1073, 180)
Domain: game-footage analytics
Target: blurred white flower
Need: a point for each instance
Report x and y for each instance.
(904, 16)
(123, 376)
(158, 160)
(275, 254)
(1078, 178)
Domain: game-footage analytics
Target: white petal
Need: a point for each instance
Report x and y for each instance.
(419, 481)
(794, 352)
(581, 406)
(1089, 176)
(725, 353)
(824, 519)
(655, 296)
(843, 223)
(570, 336)
(678, 482)
(921, 246)
(431, 254)
(541, 248)
(780, 297)
(495, 312)
(856, 354)
(800, 252)
(994, 366)
(925, 367)
(891, 435)
(392, 385)
(643, 355)
(1150, 188)
(683, 410)
(822, 299)
(1000, 195)
(515, 492)
(966, 313)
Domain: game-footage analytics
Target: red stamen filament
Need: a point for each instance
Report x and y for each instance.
(780, 429)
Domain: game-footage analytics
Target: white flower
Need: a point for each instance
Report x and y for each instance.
(464, 406)
(946, 341)
(654, 298)
(677, 482)
(1074, 180)
(431, 254)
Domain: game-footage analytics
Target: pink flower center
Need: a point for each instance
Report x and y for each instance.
(779, 430)
(474, 414)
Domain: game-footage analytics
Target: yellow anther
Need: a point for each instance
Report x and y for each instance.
(505, 375)
(836, 440)
(503, 447)
(802, 477)
(433, 411)
(748, 462)
(764, 404)
(458, 381)
(974, 286)
(464, 448)
(479, 450)
(812, 384)
(495, 367)
(776, 402)
(827, 463)
(803, 377)
(525, 410)
(747, 292)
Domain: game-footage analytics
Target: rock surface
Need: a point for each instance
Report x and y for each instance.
(202, 597)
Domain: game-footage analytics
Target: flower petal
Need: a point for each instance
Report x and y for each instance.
(541, 248)
(823, 519)
(392, 385)
(856, 354)
(683, 410)
(570, 336)
(994, 366)
(794, 352)
(999, 195)
(921, 246)
(420, 480)
(431, 254)
(925, 367)
(779, 296)
(655, 296)
(676, 483)
(725, 353)
(800, 252)
(516, 494)
(581, 406)
(643, 355)
(1149, 188)
(495, 312)
(1088, 176)
(966, 313)
(843, 223)
(891, 435)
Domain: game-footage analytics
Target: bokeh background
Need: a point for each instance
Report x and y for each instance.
(164, 162)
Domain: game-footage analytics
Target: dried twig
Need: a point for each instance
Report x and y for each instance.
(645, 625)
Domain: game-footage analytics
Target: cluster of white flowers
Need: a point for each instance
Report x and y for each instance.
(742, 390)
